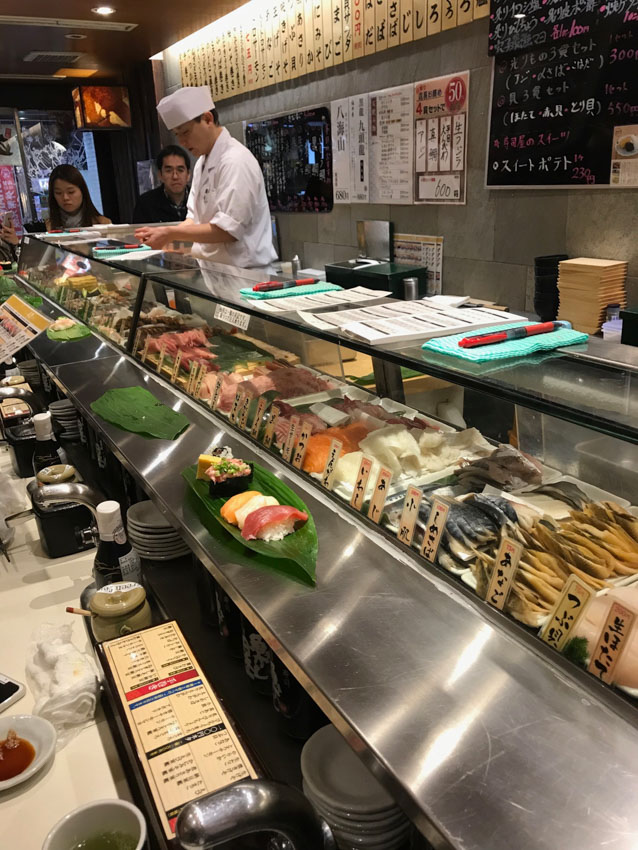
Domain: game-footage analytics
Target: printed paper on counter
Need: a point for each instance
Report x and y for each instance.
(441, 107)
(19, 325)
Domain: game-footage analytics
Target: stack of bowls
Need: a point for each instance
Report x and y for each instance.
(65, 415)
(30, 372)
(361, 814)
(546, 286)
(151, 534)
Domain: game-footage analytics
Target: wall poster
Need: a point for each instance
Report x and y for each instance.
(564, 107)
(359, 149)
(340, 121)
(440, 139)
(391, 145)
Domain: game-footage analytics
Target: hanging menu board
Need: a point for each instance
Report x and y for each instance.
(564, 94)
(440, 130)
(295, 155)
(391, 145)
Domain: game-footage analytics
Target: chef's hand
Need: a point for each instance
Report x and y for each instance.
(154, 237)
(8, 234)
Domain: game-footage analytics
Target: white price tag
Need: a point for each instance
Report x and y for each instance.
(232, 317)
(440, 187)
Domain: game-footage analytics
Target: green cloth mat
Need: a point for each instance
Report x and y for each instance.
(102, 253)
(76, 332)
(309, 289)
(502, 350)
(136, 409)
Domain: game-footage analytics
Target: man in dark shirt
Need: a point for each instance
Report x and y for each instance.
(168, 201)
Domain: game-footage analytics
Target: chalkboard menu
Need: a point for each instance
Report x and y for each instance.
(295, 155)
(564, 93)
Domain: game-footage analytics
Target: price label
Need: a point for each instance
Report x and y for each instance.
(434, 530)
(243, 411)
(191, 378)
(138, 339)
(272, 424)
(334, 454)
(290, 439)
(611, 642)
(361, 483)
(503, 573)
(259, 415)
(235, 408)
(409, 515)
(567, 612)
(380, 494)
(198, 381)
(160, 359)
(232, 317)
(216, 393)
(170, 299)
(145, 349)
(176, 364)
(302, 445)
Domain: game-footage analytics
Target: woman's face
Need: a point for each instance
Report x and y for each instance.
(68, 196)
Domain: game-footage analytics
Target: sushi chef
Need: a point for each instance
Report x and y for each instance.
(227, 219)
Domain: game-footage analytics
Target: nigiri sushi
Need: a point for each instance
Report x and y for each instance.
(272, 523)
(255, 503)
(228, 476)
(233, 504)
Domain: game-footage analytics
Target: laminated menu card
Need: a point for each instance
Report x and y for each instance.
(182, 737)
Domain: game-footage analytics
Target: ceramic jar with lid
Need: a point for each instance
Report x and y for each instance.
(119, 609)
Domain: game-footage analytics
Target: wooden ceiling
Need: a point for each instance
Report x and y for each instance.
(159, 24)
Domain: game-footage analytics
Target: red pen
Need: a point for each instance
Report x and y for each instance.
(272, 285)
(512, 333)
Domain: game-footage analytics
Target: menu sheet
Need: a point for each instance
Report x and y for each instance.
(296, 303)
(183, 738)
(19, 325)
(440, 130)
(391, 145)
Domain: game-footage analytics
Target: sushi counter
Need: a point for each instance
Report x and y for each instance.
(486, 735)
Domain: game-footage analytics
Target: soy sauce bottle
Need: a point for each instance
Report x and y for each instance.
(47, 450)
(116, 560)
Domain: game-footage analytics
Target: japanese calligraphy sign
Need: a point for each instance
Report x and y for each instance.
(160, 359)
(191, 378)
(270, 427)
(138, 336)
(564, 94)
(242, 417)
(379, 494)
(145, 349)
(409, 515)
(286, 452)
(236, 402)
(340, 112)
(361, 483)
(441, 119)
(568, 610)
(434, 529)
(176, 364)
(262, 404)
(334, 454)
(199, 380)
(215, 394)
(505, 566)
(302, 445)
(611, 641)
(392, 145)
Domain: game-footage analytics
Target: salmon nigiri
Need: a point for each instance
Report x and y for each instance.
(230, 508)
(272, 523)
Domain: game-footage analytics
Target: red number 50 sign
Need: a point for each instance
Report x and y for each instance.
(455, 94)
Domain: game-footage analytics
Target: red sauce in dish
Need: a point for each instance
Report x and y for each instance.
(16, 754)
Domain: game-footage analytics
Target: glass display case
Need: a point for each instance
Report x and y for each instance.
(449, 460)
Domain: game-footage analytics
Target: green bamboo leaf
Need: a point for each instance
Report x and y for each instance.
(76, 332)
(301, 546)
(136, 409)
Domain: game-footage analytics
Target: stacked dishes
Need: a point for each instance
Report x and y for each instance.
(30, 372)
(65, 415)
(361, 814)
(151, 535)
(546, 286)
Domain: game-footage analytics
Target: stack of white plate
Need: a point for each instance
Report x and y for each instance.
(65, 415)
(151, 534)
(30, 372)
(360, 812)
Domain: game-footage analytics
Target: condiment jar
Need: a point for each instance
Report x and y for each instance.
(58, 473)
(119, 609)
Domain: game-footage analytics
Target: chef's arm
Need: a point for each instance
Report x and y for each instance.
(158, 237)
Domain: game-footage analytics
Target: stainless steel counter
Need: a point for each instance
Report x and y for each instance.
(474, 730)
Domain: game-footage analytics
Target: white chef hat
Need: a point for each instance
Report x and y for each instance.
(184, 105)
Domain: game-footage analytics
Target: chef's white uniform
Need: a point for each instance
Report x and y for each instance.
(228, 190)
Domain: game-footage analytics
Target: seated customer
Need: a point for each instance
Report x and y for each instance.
(168, 201)
(70, 203)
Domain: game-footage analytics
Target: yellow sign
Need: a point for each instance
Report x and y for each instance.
(302, 445)
(611, 641)
(290, 439)
(334, 454)
(361, 484)
(567, 612)
(272, 424)
(434, 530)
(261, 409)
(503, 573)
(379, 494)
(409, 515)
